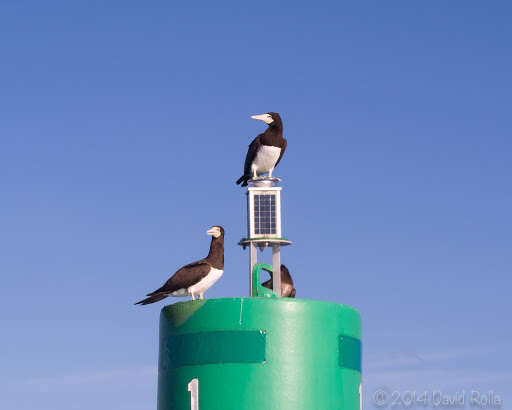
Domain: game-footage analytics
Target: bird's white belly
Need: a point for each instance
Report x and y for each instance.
(206, 282)
(266, 159)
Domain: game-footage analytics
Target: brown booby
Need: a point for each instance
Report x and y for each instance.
(196, 277)
(266, 150)
(287, 289)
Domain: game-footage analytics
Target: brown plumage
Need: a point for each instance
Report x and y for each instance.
(287, 289)
(191, 274)
(272, 137)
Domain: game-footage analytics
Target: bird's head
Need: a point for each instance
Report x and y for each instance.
(215, 231)
(270, 118)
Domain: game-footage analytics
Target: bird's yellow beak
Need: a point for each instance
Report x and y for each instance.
(263, 117)
(215, 232)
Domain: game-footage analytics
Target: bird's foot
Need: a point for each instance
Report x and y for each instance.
(201, 296)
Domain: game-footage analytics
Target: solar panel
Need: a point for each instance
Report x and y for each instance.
(264, 214)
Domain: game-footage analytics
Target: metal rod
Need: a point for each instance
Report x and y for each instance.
(253, 260)
(276, 269)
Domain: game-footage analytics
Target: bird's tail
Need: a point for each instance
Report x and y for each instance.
(243, 180)
(152, 299)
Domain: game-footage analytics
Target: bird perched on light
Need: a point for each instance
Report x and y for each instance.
(196, 277)
(287, 289)
(266, 150)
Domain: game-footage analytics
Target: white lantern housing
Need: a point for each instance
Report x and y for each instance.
(264, 225)
(264, 212)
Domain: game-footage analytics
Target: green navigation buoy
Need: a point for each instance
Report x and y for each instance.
(262, 352)
(259, 353)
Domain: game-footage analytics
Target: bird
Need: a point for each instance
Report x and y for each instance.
(266, 150)
(287, 289)
(196, 277)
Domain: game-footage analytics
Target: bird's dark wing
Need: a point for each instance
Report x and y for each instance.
(185, 277)
(287, 290)
(285, 275)
(251, 154)
(282, 152)
(268, 284)
(152, 299)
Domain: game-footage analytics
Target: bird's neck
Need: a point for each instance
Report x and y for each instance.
(272, 136)
(277, 125)
(216, 254)
(275, 128)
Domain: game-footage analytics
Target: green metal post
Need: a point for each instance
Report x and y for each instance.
(259, 353)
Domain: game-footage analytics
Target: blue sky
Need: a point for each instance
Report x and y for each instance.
(124, 126)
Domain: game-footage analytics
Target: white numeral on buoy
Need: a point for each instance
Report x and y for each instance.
(193, 388)
(360, 396)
